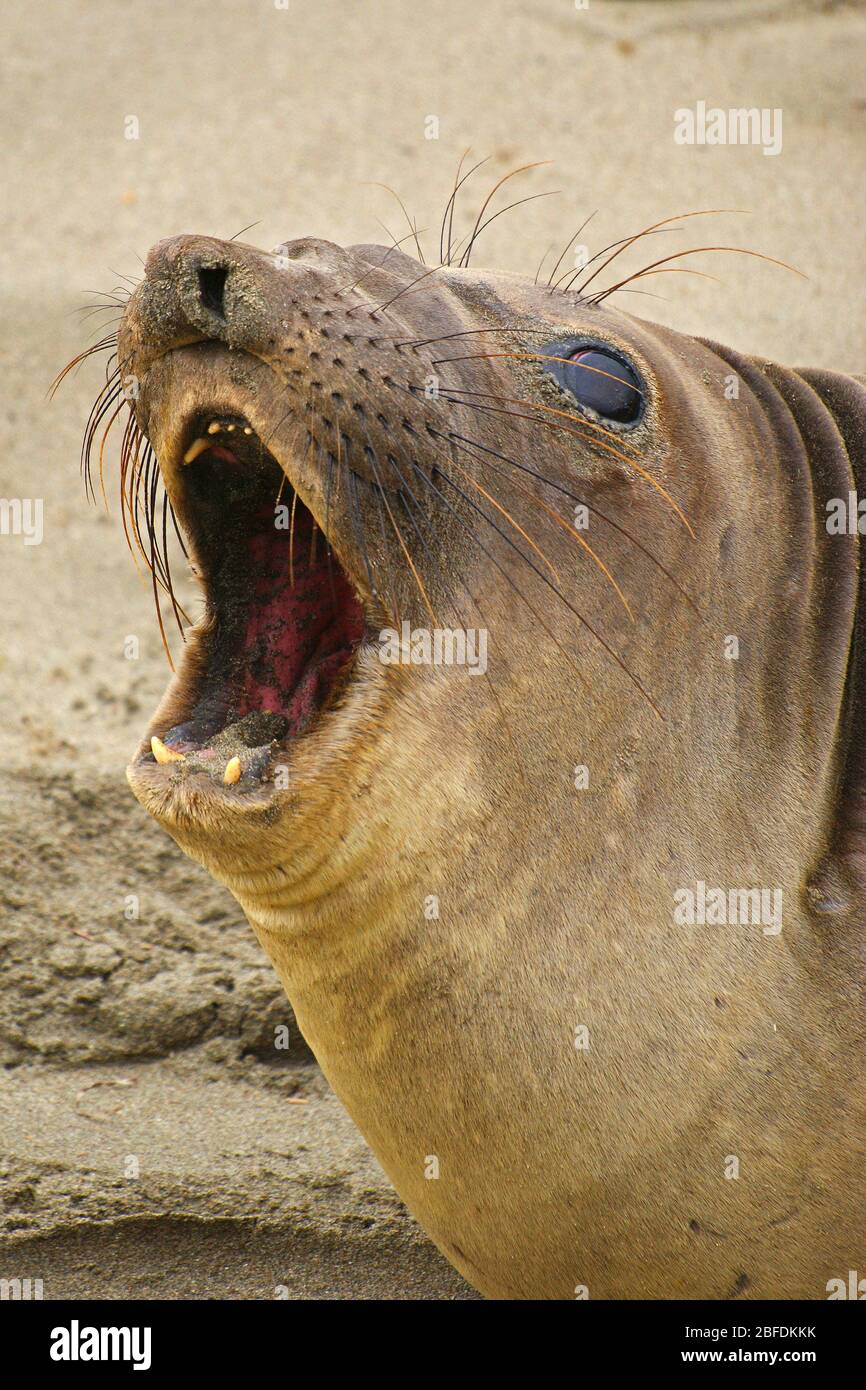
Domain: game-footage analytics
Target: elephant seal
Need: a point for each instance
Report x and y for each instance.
(576, 931)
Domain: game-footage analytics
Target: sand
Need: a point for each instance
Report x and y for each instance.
(149, 1140)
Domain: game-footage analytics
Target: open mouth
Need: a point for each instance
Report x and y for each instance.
(283, 621)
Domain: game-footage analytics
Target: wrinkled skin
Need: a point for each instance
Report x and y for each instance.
(454, 1036)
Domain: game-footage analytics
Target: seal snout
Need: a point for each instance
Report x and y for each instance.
(199, 287)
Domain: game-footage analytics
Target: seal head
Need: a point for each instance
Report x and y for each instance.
(470, 875)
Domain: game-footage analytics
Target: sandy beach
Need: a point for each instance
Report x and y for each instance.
(152, 1142)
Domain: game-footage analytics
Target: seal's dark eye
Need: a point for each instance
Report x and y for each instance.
(599, 380)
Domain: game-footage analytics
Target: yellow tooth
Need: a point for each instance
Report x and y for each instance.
(195, 449)
(163, 754)
(247, 429)
(230, 428)
(214, 427)
(233, 771)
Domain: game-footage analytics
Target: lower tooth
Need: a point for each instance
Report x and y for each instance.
(164, 754)
(233, 771)
(197, 447)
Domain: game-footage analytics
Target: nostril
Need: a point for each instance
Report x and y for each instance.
(211, 285)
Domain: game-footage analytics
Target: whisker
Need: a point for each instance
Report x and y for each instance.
(373, 268)
(445, 251)
(550, 193)
(508, 517)
(358, 529)
(101, 346)
(413, 230)
(522, 169)
(591, 507)
(568, 277)
(570, 429)
(247, 228)
(405, 290)
(506, 576)
(457, 609)
(568, 245)
(649, 231)
(566, 526)
(737, 250)
(178, 611)
(411, 563)
(560, 595)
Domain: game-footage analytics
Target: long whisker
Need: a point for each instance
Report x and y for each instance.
(537, 164)
(179, 614)
(550, 193)
(506, 576)
(101, 346)
(413, 230)
(566, 526)
(591, 507)
(568, 277)
(398, 533)
(508, 517)
(247, 228)
(371, 270)
(737, 250)
(614, 655)
(569, 429)
(358, 529)
(560, 595)
(445, 250)
(648, 231)
(568, 245)
(411, 390)
(405, 290)
(105, 435)
(431, 560)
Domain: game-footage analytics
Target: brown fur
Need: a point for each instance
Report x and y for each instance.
(454, 1037)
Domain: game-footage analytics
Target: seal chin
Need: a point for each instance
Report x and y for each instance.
(275, 654)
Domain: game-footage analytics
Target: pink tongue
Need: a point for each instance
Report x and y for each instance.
(298, 637)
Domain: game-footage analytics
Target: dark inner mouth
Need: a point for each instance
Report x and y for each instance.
(284, 621)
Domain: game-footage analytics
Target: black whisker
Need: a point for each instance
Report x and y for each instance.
(591, 507)
(568, 246)
(464, 259)
(445, 245)
(522, 169)
(559, 594)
